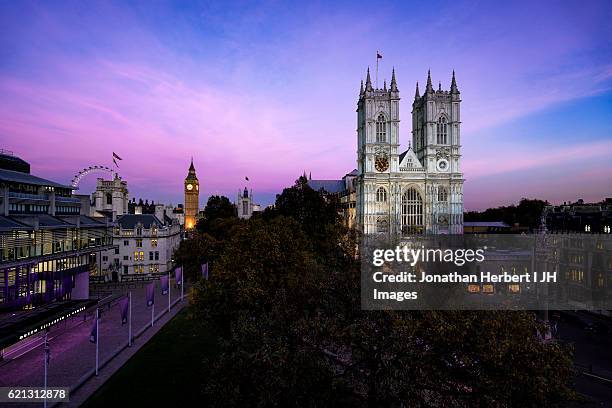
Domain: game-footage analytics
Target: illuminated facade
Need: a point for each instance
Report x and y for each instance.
(48, 248)
(420, 190)
(192, 198)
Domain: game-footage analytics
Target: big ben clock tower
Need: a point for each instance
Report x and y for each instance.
(192, 197)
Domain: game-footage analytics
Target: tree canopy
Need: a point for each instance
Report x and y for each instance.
(284, 296)
(527, 213)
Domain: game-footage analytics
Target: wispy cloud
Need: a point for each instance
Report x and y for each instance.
(269, 90)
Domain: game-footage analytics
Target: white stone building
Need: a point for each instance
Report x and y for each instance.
(145, 244)
(110, 198)
(419, 190)
(245, 205)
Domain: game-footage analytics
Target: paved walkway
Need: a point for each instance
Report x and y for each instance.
(73, 355)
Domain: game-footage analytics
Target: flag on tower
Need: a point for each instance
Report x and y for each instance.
(115, 158)
(246, 178)
(378, 56)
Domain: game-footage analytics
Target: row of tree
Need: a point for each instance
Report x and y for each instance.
(526, 214)
(284, 299)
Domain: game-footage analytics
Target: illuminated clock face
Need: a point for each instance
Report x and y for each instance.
(189, 187)
(381, 163)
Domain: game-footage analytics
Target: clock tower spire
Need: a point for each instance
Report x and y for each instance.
(192, 197)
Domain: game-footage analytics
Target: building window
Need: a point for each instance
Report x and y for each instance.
(382, 226)
(412, 212)
(442, 130)
(125, 269)
(381, 129)
(154, 243)
(488, 288)
(442, 194)
(150, 255)
(109, 199)
(381, 195)
(156, 255)
(473, 288)
(139, 231)
(117, 251)
(139, 243)
(141, 255)
(514, 288)
(126, 242)
(245, 208)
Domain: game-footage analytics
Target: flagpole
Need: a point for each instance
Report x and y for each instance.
(46, 348)
(377, 68)
(97, 339)
(130, 319)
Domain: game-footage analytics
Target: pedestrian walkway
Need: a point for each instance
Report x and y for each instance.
(72, 361)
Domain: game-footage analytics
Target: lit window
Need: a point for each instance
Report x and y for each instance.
(514, 288)
(488, 288)
(473, 288)
(412, 212)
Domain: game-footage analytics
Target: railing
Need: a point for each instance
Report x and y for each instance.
(67, 199)
(28, 196)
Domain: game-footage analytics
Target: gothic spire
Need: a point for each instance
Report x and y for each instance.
(368, 81)
(361, 88)
(440, 86)
(417, 94)
(454, 89)
(393, 82)
(429, 88)
(385, 85)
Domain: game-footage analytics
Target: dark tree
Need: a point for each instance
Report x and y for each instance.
(284, 297)
(527, 213)
(218, 212)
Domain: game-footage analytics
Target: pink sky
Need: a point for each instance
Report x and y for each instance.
(251, 92)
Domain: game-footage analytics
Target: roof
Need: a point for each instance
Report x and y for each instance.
(25, 178)
(10, 162)
(7, 223)
(330, 186)
(497, 224)
(129, 221)
(85, 221)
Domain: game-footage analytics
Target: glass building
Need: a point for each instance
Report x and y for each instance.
(47, 247)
